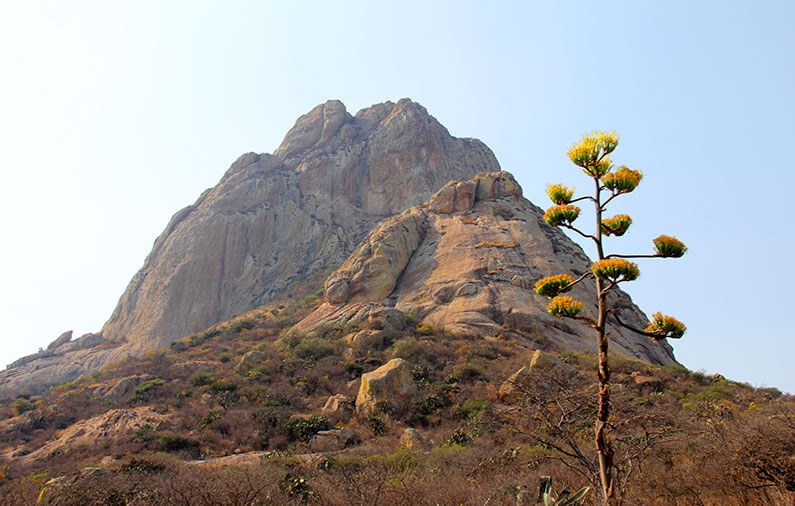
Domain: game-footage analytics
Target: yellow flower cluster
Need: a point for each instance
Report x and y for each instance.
(560, 194)
(615, 269)
(590, 152)
(553, 285)
(622, 180)
(669, 247)
(665, 326)
(561, 215)
(617, 225)
(564, 306)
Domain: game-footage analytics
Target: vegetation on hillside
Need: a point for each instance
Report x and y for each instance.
(241, 402)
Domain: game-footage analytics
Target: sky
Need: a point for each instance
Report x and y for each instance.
(115, 115)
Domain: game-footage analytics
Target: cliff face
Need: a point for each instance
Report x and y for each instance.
(467, 260)
(272, 220)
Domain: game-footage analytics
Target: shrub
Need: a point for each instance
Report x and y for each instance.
(470, 408)
(176, 443)
(353, 369)
(313, 348)
(421, 374)
(21, 405)
(201, 378)
(144, 391)
(458, 438)
(302, 429)
(376, 425)
(408, 348)
(241, 325)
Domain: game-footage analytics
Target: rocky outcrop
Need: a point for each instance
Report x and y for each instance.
(412, 440)
(338, 408)
(112, 425)
(467, 261)
(60, 340)
(332, 440)
(390, 383)
(273, 220)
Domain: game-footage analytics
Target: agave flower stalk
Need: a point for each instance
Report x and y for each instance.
(591, 155)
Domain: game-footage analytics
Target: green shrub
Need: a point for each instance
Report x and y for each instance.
(408, 348)
(353, 369)
(421, 374)
(144, 391)
(470, 408)
(385, 407)
(145, 433)
(21, 405)
(313, 348)
(201, 378)
(176, 443)
(376, 425)
(302, 429)
(148, 386)
(459, 438)
(240, 325)
(211, 420)
(468, 373)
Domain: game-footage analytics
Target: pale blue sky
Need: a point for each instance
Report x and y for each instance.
(114, 115)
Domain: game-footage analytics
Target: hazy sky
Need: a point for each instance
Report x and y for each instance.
(114, 115)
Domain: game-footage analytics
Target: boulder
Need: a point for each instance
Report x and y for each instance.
(646, 385)
(332, 440)
(125, 386)
(366, 339)
(61, 340)
(249, 361)
(338, 408)
(391, 382)
(412, 440)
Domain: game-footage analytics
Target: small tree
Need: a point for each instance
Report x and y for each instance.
(591, 155)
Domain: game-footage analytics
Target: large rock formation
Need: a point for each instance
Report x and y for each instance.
(467, 260)
(272, 220)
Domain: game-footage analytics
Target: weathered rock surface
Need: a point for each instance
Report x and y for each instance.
(114, 424)
(53, 491)
(467, 261)
(391, 383)
(125, 386)
(646, 384)
(332, 440)
(271, 221)
(61, 340)
(338, 408)
(412, 440)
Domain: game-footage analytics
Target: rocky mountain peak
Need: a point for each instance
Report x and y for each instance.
(272, 220)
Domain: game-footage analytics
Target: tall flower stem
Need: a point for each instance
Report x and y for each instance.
(603, 411)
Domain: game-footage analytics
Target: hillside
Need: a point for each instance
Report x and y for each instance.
(230, 415)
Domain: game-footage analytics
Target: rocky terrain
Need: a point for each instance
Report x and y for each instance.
(272, 220)
(466, 261)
